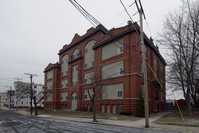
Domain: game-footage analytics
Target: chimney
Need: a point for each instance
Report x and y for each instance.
(151, 39)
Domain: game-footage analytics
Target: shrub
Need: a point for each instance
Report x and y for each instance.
(126, 113)
(139, 112)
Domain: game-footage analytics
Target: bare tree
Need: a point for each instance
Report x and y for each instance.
(181, 36)
(37, 98)
(24, 89)
(95, 92)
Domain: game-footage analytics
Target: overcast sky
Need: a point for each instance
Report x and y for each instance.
(33, 31)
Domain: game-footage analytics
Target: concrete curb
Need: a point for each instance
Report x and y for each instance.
(175, 124)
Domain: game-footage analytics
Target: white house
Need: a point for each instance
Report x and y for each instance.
(22, 94)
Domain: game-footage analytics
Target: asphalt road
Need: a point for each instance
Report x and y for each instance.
(12, 122)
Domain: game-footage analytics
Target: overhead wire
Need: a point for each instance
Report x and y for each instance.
(96, 22)
(129, 15)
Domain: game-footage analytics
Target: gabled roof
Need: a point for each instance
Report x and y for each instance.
(78, 39)
(51, 67)
(115, 33)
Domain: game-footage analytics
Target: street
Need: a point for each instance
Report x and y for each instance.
(12, 122)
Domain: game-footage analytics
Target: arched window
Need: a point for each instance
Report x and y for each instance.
(89, 54)
(64, 65)
(76, 53)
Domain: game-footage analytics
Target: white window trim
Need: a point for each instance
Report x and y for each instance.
(85, 97)
(120, 71)
(93, 63)
(121, 93)
(85, 81)
(120, 49)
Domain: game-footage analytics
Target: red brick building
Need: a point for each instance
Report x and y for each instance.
(115, 57)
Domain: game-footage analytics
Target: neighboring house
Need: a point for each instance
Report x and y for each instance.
(3, 99)
(22, 95)
(170, 102)
(182, 102)
(10, 100)
(116, 57)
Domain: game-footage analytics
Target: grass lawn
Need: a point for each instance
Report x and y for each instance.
(78, 114)
(174, 118)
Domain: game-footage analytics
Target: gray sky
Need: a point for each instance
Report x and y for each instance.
(33, 31)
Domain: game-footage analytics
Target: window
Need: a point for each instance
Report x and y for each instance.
(85, 96)
(66, 98)
(85, 81)
(77, 55)
(66, 72)
(120, 108)
(86, 50)
(62, 62)
(120, 49)
(120, 71)
(75, 97)
(61, 98)
(75, 82)
(84, 105)
(72, 97)
(66, 60)
(66, 85)
(35, 86)
(85, 65)
(62, 86)
(62, 73)
(76, 68)
(162, 96)
(92, 63)
(155, 66)
(120, 93)
(145, 48)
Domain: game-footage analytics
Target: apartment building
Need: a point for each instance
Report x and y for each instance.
(22, 94)
(113, 56)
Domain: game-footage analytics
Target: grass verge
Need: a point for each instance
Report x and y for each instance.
(77, 114)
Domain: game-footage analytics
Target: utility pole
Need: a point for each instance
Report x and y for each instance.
(144, 66)
(31, 91)
(10, 97)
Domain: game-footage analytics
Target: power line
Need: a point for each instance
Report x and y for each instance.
(96, 22)
(118, 15)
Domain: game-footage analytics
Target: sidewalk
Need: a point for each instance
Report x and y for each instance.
(136, 124)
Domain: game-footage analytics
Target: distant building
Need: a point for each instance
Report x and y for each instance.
(3, 99)
(10, 98)
(170, 102)
(22, 94)
(115, 57)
